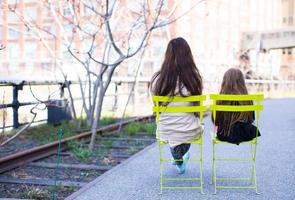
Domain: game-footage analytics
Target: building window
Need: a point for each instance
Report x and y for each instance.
(14, 51)
(289, 51)
(12, 1)
(88, 10)
(286, 34)
(30, 50)
(66, 11)
(284, 20)
(31, 13)
(283, 52)
(46, 66)
(13, 33)
(12, 17)
(290, 20)
(68, 27)
(249, 36)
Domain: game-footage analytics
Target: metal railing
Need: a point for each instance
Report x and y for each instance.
(19, 85)
(16, 104)
(261, 86)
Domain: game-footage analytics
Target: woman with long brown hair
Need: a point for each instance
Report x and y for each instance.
(235, 127)
(178, 76)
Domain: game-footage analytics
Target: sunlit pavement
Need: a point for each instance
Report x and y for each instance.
(138, 177)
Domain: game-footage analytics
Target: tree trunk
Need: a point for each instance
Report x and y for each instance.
(97, 116)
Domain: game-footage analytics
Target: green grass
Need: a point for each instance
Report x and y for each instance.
(132, 128)
(81, 153)
(46, 133)
(149, 128)
(106, 121)
(136, 127)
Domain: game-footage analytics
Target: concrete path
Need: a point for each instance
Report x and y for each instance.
(138, 177)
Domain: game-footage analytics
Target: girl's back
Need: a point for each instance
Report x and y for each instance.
(234, 127)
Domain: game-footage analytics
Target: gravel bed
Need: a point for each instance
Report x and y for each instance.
(103, 156)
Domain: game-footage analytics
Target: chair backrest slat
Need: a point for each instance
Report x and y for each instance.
(194, 98)
(172, 109)
(236, 97)
(158, 108)
(234, 108)
(190, 108)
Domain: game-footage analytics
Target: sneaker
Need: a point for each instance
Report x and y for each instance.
(185, 157)
(181, 168)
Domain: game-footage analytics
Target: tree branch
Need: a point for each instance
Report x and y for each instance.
(161, 24)
(109, 31)
(23, 128)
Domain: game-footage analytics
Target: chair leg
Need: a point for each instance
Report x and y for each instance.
(201, 169)
(161, 168)
(213, 158)
(252, 156)
(161, 177)
(254, 169)
(214, 170)
(255, 180)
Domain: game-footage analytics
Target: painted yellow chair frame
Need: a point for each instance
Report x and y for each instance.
(158, 108)
(257, 107)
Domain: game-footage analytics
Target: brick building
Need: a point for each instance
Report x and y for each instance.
(213, 28)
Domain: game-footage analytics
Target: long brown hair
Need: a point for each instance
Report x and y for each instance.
(178, 70)
(233, 83)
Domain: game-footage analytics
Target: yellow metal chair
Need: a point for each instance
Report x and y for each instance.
(200, 108)
(257, 107)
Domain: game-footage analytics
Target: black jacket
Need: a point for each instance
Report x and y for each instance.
(239, 132)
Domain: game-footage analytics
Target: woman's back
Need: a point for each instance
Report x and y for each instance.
(178, 76)
(178, 128)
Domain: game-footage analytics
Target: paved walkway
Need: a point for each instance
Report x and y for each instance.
(138, 177)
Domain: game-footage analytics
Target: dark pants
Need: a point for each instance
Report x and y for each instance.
(178, 152)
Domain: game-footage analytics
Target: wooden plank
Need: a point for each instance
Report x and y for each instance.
(121, 156)
(48, 182)
(70, 166)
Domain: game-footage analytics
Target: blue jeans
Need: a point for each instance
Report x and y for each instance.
(178, 152)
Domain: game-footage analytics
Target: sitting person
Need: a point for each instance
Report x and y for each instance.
(235, 127)
(178, 76)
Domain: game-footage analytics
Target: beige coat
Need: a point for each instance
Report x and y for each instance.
(178, 128)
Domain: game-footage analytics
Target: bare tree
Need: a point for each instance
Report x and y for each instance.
(99, 36)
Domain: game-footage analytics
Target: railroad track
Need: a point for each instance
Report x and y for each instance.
(37, 166)
(15, 160)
